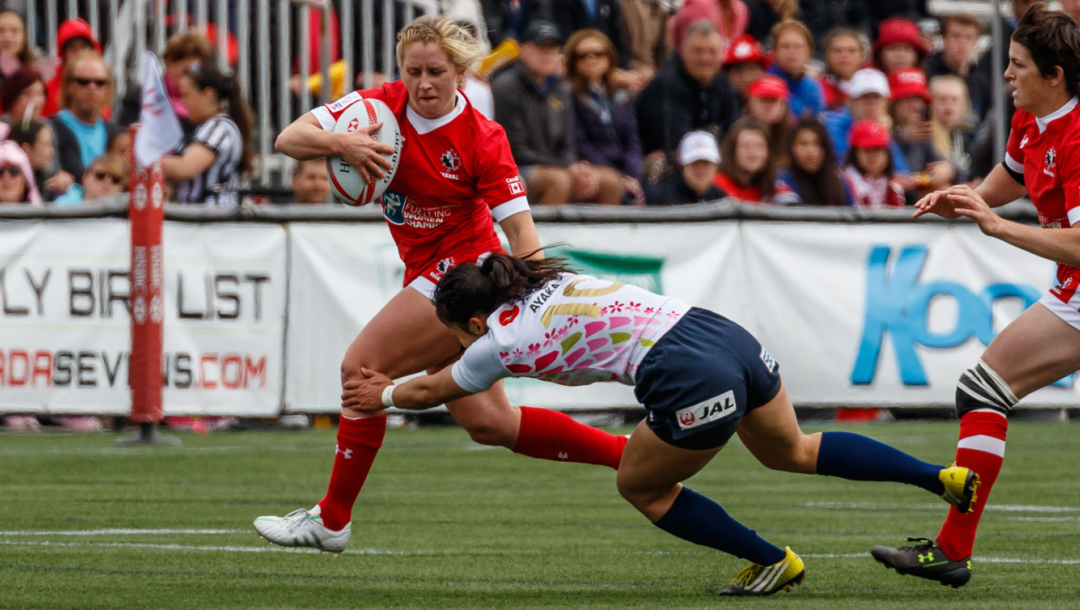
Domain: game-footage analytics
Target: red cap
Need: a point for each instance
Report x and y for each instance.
(908, 82)
(868, 133)
(769, 87)
(744, 50)
(897, 30)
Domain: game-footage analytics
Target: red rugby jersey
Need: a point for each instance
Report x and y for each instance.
(455, 173)
(1043, 154)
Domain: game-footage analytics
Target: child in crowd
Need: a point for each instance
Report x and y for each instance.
(912, 132)
(699, 158)
(814, 175)
(767, 100)
(747, 165)
(869, 167)
(899, 45)
(744, 63)
(845, 53)
(792, 50)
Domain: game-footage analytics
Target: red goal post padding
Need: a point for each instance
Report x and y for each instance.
(147, 217)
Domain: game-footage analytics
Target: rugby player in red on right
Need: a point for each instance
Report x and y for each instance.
(1043, 344)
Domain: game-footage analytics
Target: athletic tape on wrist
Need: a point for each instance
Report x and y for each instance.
(388, 396)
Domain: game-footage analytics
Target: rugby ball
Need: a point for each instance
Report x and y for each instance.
(345, 179)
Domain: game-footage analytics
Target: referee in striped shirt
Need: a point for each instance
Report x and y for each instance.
(212, 166)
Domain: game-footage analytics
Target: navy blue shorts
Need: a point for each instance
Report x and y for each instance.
(701, 378)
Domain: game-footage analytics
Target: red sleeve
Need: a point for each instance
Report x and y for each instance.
(1070, 180)
(1014, 152)
(328, 114)
(498, 181)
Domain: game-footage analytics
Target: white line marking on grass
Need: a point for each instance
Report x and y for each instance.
(120, 532)
(258, 549)
(1067, 562)
(1005, 508)
(1043, 519)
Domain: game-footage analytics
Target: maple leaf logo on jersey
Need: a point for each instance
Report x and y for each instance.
(451, 160)
(445, 264)
(1050, 162)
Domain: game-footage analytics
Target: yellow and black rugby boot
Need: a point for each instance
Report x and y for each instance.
(925, 560)
(960, 486)
(756, 579)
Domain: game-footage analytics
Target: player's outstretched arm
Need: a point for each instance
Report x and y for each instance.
(305, 138)
(521, 233)
(367, 395)
(998, 189)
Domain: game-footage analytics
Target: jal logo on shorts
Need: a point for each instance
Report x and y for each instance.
(394, 206)
(710, 411)
(509, 315)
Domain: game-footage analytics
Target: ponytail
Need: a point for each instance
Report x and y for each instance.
(227, 87)
(468, 290)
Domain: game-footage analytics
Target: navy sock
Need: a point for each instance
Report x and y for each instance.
(697, 519)
(859, 458)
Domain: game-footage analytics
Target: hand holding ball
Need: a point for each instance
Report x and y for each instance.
(371, 152)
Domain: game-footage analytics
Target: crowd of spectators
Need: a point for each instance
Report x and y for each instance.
(835, 102)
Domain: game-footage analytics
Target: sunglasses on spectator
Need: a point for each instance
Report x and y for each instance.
(101, 175)
(10, 170)
(86, 82)
(590, 55)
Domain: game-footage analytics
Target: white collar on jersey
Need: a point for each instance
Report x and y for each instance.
(1045, 121)
(423, 125)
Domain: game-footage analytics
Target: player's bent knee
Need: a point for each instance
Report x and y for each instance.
(980, 387)
(489, 433)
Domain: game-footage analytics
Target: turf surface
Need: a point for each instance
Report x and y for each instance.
(444, 523)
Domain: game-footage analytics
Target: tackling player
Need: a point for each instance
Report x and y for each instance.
(1043, 344)
(700, 376)
(456, 172)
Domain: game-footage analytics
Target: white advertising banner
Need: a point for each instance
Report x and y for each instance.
(856, 314)
(65, 329)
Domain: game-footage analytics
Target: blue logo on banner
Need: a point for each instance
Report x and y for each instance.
(897, 303)
(394, 206)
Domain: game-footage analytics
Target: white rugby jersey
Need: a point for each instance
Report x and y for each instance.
(576, 330)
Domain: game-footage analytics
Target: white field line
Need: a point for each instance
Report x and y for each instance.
(122, 532)
(1004, 508)
(448, 552)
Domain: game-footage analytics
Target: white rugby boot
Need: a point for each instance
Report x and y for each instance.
(301, 528)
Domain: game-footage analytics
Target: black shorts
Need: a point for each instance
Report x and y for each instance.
(701, 378)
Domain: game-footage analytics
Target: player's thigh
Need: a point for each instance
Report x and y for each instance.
(405, 337)
(1035, 350)
(651, 465)
(488, 417)
(772, 434)
(546, 176)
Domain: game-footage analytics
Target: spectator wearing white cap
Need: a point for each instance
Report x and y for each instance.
(699, 158)
(869, 100)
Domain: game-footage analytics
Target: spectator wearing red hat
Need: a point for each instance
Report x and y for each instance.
(792, 50)
(748, 166)
(899, 45)
(767, 101)
(729, 16)
(912, 132)
(744, 63)
(72, 38)
(960, 38)
(845, 53)
(869, 100)
(869, 167)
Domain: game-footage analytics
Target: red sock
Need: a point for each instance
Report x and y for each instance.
(550, 435)
(982, 449)
(358, 441)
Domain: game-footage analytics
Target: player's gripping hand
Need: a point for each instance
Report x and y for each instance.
(936, 203)
(365, 395)
(364, 153)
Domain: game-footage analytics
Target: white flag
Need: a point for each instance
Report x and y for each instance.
(160, 132)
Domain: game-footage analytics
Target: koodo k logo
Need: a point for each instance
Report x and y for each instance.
(897, 304)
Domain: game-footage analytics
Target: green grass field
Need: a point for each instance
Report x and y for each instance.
(444, 523)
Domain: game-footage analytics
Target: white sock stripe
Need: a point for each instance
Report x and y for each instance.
(1001, 390)
(999, 381)
(985, 443)
(978, 396)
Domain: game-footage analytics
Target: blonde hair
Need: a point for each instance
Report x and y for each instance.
(461, 47)
(68, 76)
(939, 135)
(798, 26)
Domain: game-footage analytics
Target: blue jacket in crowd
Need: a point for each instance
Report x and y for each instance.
(606, 131)
(807, 96)
(838, 123)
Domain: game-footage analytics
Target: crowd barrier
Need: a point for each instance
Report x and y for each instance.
(859, 308)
